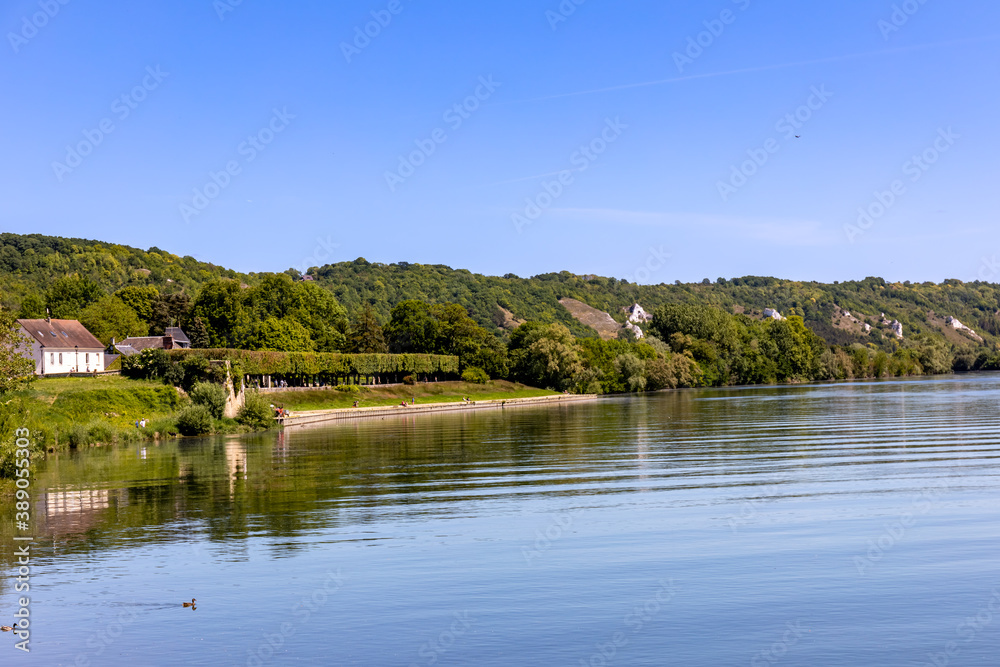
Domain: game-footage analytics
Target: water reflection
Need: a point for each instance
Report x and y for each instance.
(754, 499)
(290, 483)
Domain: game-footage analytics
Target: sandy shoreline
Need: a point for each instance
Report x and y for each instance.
(310, 417)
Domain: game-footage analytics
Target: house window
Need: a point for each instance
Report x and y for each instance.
(52, 357)
(60, 358)
(87, 357)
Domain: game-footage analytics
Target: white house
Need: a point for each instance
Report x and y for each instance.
(62, 346)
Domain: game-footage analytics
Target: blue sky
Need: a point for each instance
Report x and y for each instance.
(592, 145)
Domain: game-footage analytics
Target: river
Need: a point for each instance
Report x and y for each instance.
(846, 524)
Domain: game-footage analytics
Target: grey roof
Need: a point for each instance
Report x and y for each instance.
(177, 334)
(61, 333)
(141, 343)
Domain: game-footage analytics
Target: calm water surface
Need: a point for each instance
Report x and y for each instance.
(853, 524)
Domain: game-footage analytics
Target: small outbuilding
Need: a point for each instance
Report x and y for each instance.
(174, 338)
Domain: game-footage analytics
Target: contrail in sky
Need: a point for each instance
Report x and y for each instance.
(763, 68)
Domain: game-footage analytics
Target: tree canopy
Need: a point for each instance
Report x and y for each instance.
(16, 370)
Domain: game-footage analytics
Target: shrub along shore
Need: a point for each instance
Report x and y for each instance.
(65, 413)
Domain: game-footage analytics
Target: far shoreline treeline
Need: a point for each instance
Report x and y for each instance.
(709, 333)
(282, 328)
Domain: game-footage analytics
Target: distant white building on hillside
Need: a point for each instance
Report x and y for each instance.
(62, 346)
(637, 314)
(636, 331)
(958, 326)
(772, 314)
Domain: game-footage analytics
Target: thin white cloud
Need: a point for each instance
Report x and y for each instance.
(762, 68)
(526, 178)
(766, 230)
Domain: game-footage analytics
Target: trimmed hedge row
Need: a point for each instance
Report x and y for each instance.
(324, 363)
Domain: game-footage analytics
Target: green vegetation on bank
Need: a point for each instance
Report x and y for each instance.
(63, 413)
(359, 322)
(72, 412)
(39, 271)
(184, 367)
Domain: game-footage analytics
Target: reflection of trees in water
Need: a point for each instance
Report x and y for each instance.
(285, 485)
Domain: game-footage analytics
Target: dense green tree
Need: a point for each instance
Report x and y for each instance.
(880, 365)
(198, 334)
(633, 370)
(211, 395)
(110, 319)
(32, 308)
(454, 327)
(481, 349)
(546, 356)
(417, 327)
(318, 310)
(68, 296)
(276, 335)
(798, 348)
(16, 370)
(365, 335)
(169, 310)
(140, 298)
(220, 305)
(256, 412)
(412, 328)
(932, 353)
(677, 370)
(274, 296)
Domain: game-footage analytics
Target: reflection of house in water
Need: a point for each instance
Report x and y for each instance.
(72, 512)
(236, 462)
